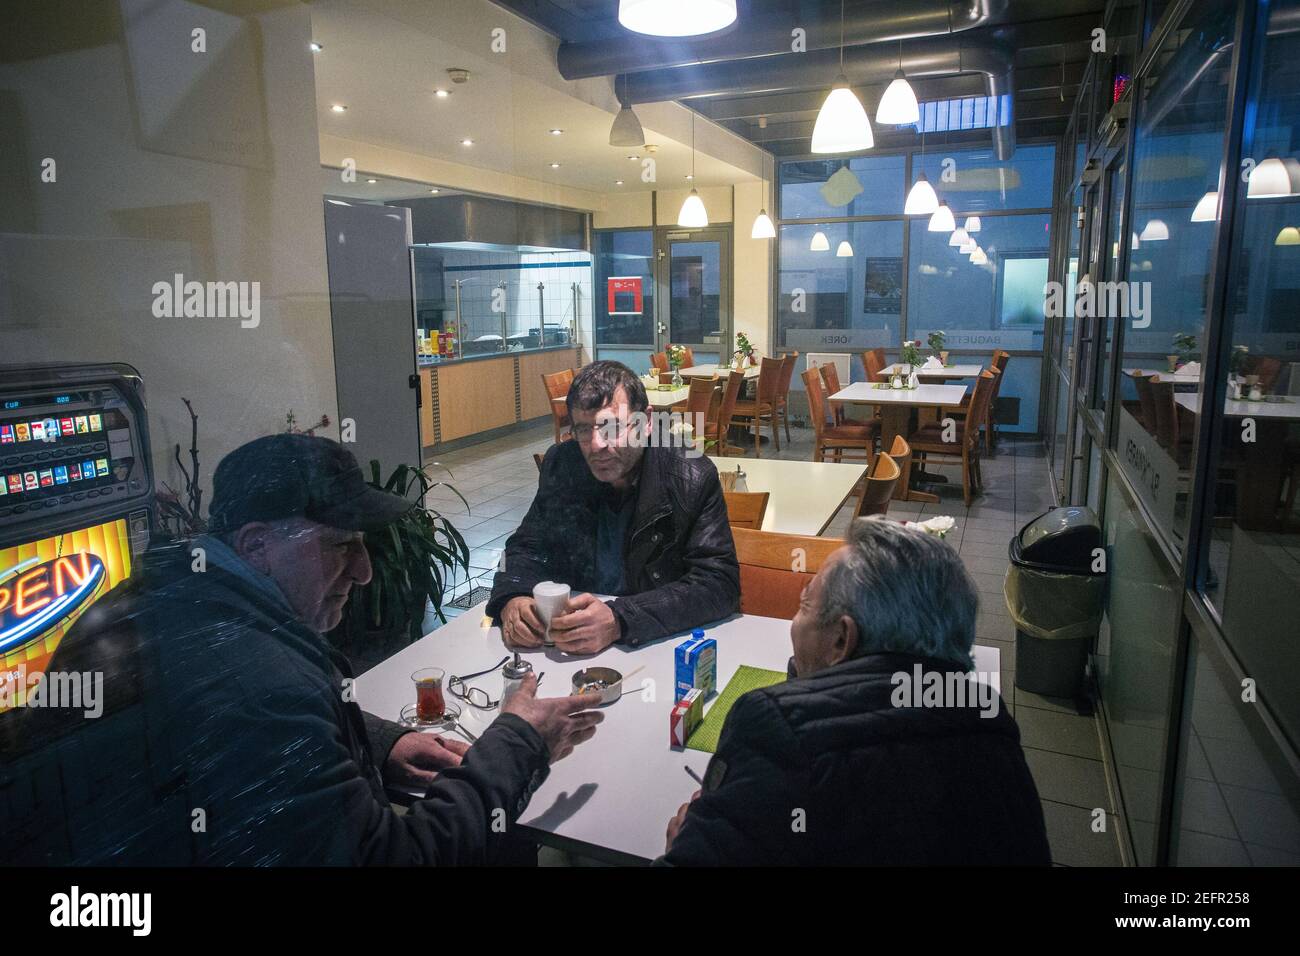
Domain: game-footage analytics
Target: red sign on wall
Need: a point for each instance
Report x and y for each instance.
(624, 295)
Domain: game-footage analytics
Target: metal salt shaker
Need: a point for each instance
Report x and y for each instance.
(512, 676)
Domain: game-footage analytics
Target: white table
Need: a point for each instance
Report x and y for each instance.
(1165, 376)
(613, 796)
(708, 371)
(661, 400)
(803, 496)
(948, 371)
(1288, 408)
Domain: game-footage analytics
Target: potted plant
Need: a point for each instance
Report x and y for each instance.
(409, 560)
(910, 354)
(1185, 346)
(937, 341)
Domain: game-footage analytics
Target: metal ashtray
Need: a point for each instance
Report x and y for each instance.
(606, 680)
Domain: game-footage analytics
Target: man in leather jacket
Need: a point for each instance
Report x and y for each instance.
(646, 525)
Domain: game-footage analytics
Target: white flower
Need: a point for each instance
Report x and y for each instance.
(938, 526)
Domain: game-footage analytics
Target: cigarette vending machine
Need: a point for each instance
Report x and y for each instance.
(76, 495)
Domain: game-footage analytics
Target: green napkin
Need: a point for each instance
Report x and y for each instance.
(744, 680)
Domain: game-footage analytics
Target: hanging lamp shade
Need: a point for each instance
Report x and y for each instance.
(967, 247)
(819, 242)
(844, 251)
(842, 125)
(942, 220)
(626, 129)
(958, 238)
(693, 215)
(763, 227)
(1155, 231)
(676, 18)
(979, 257)
(898, 107)
(1273, 178)
(972, 224)
(1207, 207)
(1289, 236)
(921, 199)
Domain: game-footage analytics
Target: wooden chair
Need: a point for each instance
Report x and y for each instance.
(745, 509)
(1001, 358)
(829, 437)
(873, 361)
(762, 408)
(768, 584)
(557, 387)
(718, 428)
(880, 487)
(699, 396)
(689, 360)
(1169, 425)
(660, 361)
(1146, 401)
(783, 390)
(1267, 368)
(928, 440)
(831, 376)
(665, 378)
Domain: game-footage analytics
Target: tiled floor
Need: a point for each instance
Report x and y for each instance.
(1062, 744)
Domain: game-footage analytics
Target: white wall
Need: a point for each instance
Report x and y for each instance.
(169, 160)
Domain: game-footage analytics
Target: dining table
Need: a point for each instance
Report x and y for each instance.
(803, 496)
(897, 406)
(707, 371)
(612, 797)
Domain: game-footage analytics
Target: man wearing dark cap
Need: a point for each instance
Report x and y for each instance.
(232, 734)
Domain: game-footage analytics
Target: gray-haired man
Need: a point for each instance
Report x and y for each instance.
(848, 763)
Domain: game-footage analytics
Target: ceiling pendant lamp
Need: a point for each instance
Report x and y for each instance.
(676, 18)
(972, 224)
(1289, 236)
(1207, 208)
(942, 220)
(898, 107)
(1135, 244)
(967, 247)
(979, 257)
(921, 199)
(819, 242)
(1155, 231)
(693, 214)
(1274, 178)
(844, 251)
(958, 238)
(763, 228)
(842, 125)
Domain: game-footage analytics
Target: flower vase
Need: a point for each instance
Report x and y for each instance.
(677, 378)
(912, 380)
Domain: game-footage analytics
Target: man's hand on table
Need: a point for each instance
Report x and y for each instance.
(521, 624)
(675, 824)
(587, 626)
(416, 758)
(562, 722)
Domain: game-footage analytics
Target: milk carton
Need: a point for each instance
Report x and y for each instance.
(697, 664)
(685, 717)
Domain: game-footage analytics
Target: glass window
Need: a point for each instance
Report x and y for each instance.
(1251, 571)
(833, 188)
(1003, 296)
(975, 180)
(829, 302)
(624, 300)
(1112, 252)
(1177, 154)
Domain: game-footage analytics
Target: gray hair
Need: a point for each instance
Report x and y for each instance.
(907, 591)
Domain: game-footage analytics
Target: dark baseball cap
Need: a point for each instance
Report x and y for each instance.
(289, 476)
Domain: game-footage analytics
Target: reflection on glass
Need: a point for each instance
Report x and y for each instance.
(1177, 154)
(624, 300)
(832, 188)
(1252, 569)
(695, 293)
(975, 180)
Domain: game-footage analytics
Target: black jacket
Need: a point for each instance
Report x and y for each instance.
(220, 702)
(869, 783)
(679, 557)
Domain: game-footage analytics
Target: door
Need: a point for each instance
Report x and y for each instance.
(372, 317)
(694, 282)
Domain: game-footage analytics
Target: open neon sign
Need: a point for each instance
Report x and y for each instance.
(36, 598)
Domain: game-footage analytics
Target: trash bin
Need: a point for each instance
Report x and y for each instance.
(1055, 599)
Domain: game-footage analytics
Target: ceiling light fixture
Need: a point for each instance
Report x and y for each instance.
(967, 247)
(693, 215)
(1155, 231)
(557, 132)
(372, 181)
(315, 47)
(1274, 178)
(842, 125)
(1289, 236)
(442, 94)
(435, 191)
(338, 108)
(942, 220)
(959, 237)
(979, 257)
(618, 182)
(921, 198)
(763, 228)
(844, 251)
(898, 107)
(676, 18)
(1207, 207)
(467, 142)
(626, 129)
(972, 224)
(555, 165)
(819, 242)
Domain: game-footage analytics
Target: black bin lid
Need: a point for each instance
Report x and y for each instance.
(1060, 538)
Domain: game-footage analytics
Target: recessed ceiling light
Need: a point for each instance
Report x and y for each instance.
(634, 158)
(556, 132)
(434, 190)
(339, 108)
(372, 180)
(442, 94)
(467, 142)
(555, 165)
(618, 182)
(314, 46)
(690, 175)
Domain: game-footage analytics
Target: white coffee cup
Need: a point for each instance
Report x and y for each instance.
(551, 598)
